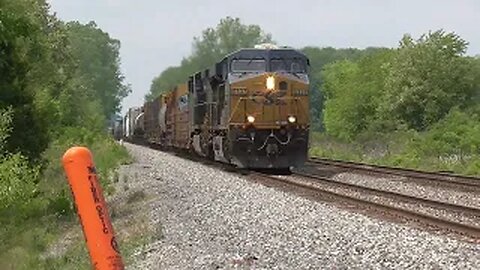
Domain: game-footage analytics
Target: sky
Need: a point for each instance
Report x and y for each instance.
(158, 34)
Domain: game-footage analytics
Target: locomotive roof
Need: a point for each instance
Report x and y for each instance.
(266, 53)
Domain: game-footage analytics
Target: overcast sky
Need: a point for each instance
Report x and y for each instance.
(157, 34)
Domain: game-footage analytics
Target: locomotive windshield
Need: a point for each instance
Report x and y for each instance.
(288, 65)
(249, 65)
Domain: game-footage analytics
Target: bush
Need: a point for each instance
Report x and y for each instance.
(5, 128)
(452, 145)
(17, 185)
(17, 176)
(27, 229)
(106, 153)
(457, 135)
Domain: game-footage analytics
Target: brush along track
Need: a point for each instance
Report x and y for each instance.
(316, 184)
(465, 182)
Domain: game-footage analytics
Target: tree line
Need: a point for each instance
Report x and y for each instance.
(60, 83)
(411, 87)
(55, 76)
(423, 95)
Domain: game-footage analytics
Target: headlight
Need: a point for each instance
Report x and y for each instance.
(270, 83)
(250, 119)
(292, 119)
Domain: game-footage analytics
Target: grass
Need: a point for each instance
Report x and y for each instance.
(403, 149)
(28, 230)
(132, 231)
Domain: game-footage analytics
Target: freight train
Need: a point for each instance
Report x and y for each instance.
(250, 109)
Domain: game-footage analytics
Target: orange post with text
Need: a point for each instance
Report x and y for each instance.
(92, 209)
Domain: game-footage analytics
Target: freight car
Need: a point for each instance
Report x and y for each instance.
(250, 109)
(133, 124)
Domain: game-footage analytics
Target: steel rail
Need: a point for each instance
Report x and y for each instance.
(386, 193)
(442, 178)
(465, 229)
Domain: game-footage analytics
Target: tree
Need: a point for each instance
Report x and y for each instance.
(54, 75)
(58, 83)
(319, 58)
(427, 78)
(97, 59)
(27, 71)
(229, 35)
(456, 135)
(475, 62)
(353, 91)
(337, 88)
(5, 128)
(164, 82)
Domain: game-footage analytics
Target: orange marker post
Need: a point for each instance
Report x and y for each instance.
(92, 209)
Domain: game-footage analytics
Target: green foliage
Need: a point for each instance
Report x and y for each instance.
(454, 137)
(97, 59)
(475, 64)
(59, 84)
(24, 60)
(426, 79)
(424, 151)
(319, 59)
(18, 180)
(416, 106)
(339, 97)
(229, 35)
(5, 127)
(353, 91)
(412, 87)
(107, 156)
(17, 185)
(50, 68)
(42, 216)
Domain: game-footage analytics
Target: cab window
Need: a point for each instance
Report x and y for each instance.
(248, 65)
(287, 65)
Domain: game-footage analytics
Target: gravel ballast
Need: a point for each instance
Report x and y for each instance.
(440, 212)
(405, 186)
(210, 219)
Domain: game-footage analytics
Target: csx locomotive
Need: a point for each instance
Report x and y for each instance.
(250, 109)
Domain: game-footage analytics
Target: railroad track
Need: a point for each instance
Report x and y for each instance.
(311, 182)
(467, 182)
(320, 185)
